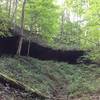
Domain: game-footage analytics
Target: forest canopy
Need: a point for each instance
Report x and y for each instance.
(50, 47)
(74, 23)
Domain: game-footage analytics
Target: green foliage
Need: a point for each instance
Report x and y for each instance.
(95, 54)
(70, 38)
(45, 75)
(87, 13)
(80, 23)
(43, 17)
(4, 27)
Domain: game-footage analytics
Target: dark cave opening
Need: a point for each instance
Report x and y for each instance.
(8, 46)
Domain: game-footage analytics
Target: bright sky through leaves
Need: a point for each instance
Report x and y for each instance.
(60, 2)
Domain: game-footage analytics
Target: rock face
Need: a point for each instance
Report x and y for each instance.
(8, 46)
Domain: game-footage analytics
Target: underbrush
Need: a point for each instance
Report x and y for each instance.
(95, 54)
(49, 76)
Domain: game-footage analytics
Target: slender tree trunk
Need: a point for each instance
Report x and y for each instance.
(14, 14)
(28, 48)
(22, 26)
(62, 25)
(31, 28)
(10, 8)
(7, 2)
(13, 8)
(15, 4)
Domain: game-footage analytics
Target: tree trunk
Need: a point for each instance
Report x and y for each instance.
(28, 48)
(31, 15)
(22, 26)
(62, 24)
(14, 14)
(10, 8)
(16, 85)
(7, 3)
(20, 41)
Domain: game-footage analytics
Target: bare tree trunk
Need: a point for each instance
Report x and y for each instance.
(22, 26)
(20, 41)
(62, 24)
(14, 14)
(28, 48)
(13, 8)
(7, 2)
(31, 28)
(10, 8)
(15, 4)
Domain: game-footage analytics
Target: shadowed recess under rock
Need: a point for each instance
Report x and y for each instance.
(8, 46)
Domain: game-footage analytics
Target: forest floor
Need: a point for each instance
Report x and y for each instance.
(8, 93)
(51, 78)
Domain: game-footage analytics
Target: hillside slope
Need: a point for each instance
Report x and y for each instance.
(54, 79)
